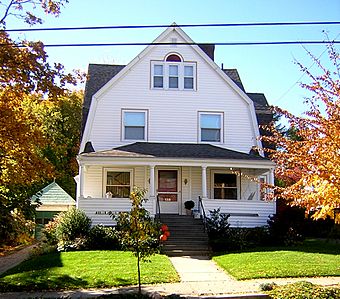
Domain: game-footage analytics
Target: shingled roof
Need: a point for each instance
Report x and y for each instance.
(174, 150)
(97, 76)
(53, 194)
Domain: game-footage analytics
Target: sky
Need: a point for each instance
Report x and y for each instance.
(268, 69)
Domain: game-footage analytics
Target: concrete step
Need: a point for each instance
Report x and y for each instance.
(179, 252)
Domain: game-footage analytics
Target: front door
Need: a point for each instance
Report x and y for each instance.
(168, 191)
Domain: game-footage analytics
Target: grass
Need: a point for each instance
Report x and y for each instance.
(312, 258)
(85, 269)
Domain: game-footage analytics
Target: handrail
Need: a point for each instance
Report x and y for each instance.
(202, 212)
(158, 209)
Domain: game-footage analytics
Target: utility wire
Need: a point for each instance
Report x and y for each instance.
(166, 26)
(178, 44)
(304, 72)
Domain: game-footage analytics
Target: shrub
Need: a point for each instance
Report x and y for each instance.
(287, 227)
(102, 237)
(73, 224)
(305, 290)
(239, 238)
(218, 224)
(69, 230)
(267, 286)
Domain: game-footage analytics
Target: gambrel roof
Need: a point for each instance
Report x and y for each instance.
(101, 78)
(100, 74)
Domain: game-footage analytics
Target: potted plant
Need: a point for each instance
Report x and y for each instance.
(189, 204)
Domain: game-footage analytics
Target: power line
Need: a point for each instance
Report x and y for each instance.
(179, 44)
(182, 25)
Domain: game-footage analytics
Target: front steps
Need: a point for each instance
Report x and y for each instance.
(187, 236)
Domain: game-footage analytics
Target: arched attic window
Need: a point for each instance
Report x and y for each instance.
(173, 58)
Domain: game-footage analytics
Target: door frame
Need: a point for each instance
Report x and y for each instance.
(179, 185)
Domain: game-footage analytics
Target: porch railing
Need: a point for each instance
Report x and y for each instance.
(202, 212)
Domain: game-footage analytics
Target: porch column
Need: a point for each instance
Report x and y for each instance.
(152, 181)
(271, 177)
(152, 188)
(204, 182)
(81, 181)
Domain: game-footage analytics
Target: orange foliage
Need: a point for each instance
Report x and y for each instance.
(311, 161)
(23, 72)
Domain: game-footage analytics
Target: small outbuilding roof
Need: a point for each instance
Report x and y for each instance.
(53, 194)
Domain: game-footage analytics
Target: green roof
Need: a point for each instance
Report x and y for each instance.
(53, 194)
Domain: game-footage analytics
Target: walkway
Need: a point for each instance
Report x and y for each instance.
(15, 258)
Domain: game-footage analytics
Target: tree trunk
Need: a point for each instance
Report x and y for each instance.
(138, 266)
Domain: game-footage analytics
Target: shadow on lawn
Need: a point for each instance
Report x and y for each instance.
(308, 246)
(47, 261)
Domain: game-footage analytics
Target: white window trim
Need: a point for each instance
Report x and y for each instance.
(146, 130)
(106, 170)
(180, 65)
(221, 130)
(212, 174)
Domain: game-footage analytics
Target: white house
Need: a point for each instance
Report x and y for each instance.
(175, 123)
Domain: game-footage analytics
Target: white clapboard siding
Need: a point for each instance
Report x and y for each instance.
(99, 209)
(243, 213)
(172, 114)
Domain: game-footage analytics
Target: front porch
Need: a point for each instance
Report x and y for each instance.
(175, 173)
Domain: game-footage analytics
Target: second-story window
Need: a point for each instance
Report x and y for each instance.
(188, 77)
(210, 125)
(173, 73)
(134, 125)
(158, 76)
(173, 76)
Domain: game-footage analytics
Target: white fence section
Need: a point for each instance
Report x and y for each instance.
(99, 209)
(243, 213)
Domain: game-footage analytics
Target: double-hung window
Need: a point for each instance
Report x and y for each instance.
(173, 74)
(210, 126)
(118, 183)
(158, 76)
(225, 185)
(134, 125)
(188, 77)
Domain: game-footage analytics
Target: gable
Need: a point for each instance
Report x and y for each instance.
(129, 87)
(53, 194)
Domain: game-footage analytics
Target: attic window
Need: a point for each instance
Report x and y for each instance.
(174, 58)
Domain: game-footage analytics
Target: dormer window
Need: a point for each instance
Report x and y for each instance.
(173, 73)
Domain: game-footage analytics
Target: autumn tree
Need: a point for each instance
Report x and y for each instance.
(309, 157)
(137, 232)
(59, 121)
(25, 72)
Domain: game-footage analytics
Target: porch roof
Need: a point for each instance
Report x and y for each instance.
(174, 150)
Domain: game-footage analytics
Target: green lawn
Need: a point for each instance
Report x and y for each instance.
(313, 258)
(85, 269)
